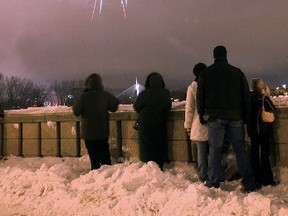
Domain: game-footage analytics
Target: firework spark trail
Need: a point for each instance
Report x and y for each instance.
(94, 8)
(101, 6)
(123, 3)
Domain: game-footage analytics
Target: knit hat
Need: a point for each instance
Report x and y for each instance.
(219, 52)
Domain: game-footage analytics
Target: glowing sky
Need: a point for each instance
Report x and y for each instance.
(52, 40)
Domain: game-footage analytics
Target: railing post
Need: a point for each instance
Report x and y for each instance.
(58, 131)
(119, 139)
(78, 139)
(2, 141)
(21, 140)
(39, 140)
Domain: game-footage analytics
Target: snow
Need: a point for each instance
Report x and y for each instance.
(180, 105)
(67, 110)
(280, 101)
(66, 186)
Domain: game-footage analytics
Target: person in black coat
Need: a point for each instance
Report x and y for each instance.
(261, 134)
(93, 106)
(153, 106)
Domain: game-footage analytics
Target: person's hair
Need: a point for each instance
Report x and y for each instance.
(147, 83)
(94, 82)
(267, 91)
(197, 69)
(257, 84)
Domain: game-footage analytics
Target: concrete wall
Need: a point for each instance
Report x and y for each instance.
(58, 135)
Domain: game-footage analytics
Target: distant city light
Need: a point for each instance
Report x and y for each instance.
(284, 86)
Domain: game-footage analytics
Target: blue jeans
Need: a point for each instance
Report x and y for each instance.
(233, 131)
(202, 159)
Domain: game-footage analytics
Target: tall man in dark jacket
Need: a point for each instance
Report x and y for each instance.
(223, 95)
(93, 106)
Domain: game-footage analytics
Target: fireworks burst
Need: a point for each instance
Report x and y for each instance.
(99, 5)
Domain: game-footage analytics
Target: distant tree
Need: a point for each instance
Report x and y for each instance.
(38, 95)
(23, 92)
(64, 89)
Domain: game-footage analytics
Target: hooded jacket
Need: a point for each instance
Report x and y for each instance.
(93, 106)
(223, 92)
(198, 131)
(153, 104)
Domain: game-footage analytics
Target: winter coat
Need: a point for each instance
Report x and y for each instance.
(255, 123)
(223, 92)
(198, 131)
(93, 106)
(153, 105)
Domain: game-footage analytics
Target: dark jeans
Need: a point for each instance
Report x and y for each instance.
(99, 153)
(233, 132)
(202, 159)
(261, 168)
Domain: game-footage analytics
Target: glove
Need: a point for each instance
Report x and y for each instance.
(202, 121)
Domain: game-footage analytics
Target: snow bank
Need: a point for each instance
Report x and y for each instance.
(278, 101)
(65, 186)
(65, 109)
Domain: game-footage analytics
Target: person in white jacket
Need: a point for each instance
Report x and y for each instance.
(198, 132)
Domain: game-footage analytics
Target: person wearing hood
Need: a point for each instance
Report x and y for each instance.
(93, 106)
(223, 95)
(153, 105)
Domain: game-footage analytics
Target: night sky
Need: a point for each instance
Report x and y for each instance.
(48, 40)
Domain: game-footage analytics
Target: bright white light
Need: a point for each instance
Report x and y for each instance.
(137, 87)
(284, 86)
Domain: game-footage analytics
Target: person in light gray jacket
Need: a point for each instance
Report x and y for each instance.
(197, 132)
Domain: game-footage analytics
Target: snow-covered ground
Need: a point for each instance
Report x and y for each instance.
(65, 109)
(66, 186)
(281, 101)
(278, 101)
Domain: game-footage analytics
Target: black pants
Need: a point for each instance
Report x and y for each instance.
(153, 148)
(99, 153)
(261, 165)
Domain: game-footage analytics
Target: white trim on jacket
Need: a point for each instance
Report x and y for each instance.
(198, 132)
